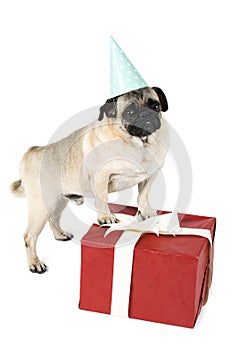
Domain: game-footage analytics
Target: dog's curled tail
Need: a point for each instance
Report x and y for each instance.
(17, 189)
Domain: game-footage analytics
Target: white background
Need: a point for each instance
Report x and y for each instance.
(54, 63)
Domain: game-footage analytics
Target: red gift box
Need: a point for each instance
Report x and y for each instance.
(171, 276)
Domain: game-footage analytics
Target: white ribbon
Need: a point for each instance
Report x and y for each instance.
(166, 224)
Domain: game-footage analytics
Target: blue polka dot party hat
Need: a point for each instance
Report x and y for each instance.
(124, 77)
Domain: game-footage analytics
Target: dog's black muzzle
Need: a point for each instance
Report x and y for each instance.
(141, 121)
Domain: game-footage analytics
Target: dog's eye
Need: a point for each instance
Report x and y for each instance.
(155, 105)
(129, 113)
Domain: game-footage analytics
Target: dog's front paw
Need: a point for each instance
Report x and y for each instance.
(64, 236)
(38, 267)
(107, 219)
(146, 213)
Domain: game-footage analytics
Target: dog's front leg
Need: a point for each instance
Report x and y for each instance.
(100, 192)
(144, 209)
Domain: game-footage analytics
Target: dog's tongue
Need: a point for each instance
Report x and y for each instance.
(144, 139)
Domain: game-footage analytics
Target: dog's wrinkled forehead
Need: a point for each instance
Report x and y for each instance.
(140, 97)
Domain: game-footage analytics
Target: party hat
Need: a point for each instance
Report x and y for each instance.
(124, 77)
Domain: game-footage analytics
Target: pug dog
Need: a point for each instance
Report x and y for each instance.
(126, 146)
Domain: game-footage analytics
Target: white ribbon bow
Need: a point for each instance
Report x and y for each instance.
(166, 224)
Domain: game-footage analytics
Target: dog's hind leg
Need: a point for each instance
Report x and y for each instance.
(36, 221)
(54, 221)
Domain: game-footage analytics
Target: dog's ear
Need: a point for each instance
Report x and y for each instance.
(162, 98)
(109, 108)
